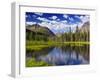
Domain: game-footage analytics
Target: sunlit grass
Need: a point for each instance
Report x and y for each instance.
(39, 45)
(36, 47)
(31, 62)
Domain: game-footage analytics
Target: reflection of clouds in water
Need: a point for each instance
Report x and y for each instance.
(59, 57)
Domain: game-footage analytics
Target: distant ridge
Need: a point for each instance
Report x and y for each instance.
(41, 30)
(85, 27)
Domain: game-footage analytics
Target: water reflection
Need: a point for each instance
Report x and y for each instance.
(63, 55)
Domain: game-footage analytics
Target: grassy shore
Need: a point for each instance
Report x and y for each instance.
(31, 62)
(39, 45)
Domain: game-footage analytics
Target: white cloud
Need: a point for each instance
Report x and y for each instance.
(40, 14)
(53, 17)
(71, 19)
(84, 19)
(62, 26)
(81, 17)
(43, 19)
(58, 19)
(53, 22)
(30, 23)
(77, 16)
(56, 26)
(64, 21)
(65, 16)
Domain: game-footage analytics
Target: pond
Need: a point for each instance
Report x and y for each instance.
(61, 55)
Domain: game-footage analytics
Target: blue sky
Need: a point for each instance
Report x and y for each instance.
(58, 23)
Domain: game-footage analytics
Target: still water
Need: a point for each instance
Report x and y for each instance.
(62, 55)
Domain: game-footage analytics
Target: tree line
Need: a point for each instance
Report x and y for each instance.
(77, 35)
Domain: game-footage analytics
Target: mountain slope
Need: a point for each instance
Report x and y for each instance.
(36, 32)
(85, 27)
(41, 30)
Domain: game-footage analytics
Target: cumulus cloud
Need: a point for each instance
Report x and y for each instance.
(53, 17)
(30, 23)
(83, 19)
(53, 22)
(58, 19)
(65, 16)
(40, 14)
(56, 27)
(43, 19)
(59, 25)
(71, 19)
(46, 24)
(64, 21)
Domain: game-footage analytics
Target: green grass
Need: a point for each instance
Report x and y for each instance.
(33, 63)
(77, 42)
(36, 47)
(39, 45)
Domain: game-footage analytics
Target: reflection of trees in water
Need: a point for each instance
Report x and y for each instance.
(82, 50)
(65, 55)
(86, 52)
(72, 51)
(39, 53)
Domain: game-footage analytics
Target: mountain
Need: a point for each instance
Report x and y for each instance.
(85, 27)
(39, 30)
